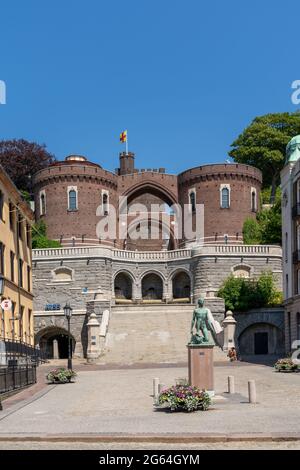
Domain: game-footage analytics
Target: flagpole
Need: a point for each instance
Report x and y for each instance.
(126, 142)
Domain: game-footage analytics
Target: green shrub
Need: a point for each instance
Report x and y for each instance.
(40, 239)
(242, 294)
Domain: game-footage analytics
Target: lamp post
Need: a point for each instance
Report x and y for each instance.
(68, 313)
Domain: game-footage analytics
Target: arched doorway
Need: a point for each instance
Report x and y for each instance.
(181, 286)
(152, 287)
(53, 342)
(261, 339)
(123, 286)
(150, 218)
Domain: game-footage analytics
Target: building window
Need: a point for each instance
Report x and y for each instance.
(1, 205)
(29, 325)
(193, 201)
(28, 278)
(253, 200)
(12, 266)
(20, 273)
(12, 216)
(72, 199)
(2, 248)
(225, 196)
(105, 202)
(28, 235)
(21, 323)
(42, 203)
(20, 226)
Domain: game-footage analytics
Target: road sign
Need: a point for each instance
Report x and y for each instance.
(6, 304)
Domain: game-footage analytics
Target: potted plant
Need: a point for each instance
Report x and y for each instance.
(61, 375)
(183, 397)
(286, 365)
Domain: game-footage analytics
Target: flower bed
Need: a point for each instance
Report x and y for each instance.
(184, 398)
(286, 365)
(61, 375)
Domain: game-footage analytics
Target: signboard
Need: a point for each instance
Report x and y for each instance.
(6, 305)
(51, 307)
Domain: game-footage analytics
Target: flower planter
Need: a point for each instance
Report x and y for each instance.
(60, 376)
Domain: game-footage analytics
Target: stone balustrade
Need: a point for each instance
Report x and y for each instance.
(148, 256)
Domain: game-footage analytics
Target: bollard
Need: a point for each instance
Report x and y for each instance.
(252, 391)
(231, 388)
(155, 388)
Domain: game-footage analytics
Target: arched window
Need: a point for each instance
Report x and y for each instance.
(193, 201)
(62, 275)
(225, 198)
(253, 201)
(42, 203)
(105, 203)
(72, 200)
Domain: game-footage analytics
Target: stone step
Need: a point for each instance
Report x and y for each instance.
(150, 334)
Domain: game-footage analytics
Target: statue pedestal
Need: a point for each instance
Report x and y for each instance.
(201, 366)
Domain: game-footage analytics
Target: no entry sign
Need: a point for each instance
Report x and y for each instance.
(6, 304)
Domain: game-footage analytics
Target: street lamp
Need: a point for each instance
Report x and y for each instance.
(68, 313)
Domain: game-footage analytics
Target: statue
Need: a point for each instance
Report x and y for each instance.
(204, 322)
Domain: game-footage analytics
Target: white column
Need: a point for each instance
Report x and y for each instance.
(229, 325)
(93, 350)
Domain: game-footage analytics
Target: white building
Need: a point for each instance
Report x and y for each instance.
(290, 185)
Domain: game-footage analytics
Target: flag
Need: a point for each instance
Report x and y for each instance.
(123, 137)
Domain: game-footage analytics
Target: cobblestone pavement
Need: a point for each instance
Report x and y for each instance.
(119, 401)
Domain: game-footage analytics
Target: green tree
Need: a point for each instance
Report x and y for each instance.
(252, 232)
(270, 223)
(263, 144)
(39, 237)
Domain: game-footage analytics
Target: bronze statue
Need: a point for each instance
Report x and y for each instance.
(204, 322)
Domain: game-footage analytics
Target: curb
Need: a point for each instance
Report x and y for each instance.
(153, 438)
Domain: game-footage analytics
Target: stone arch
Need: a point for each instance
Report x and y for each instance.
(46, 338)
(123, 285)
(152, 283)
(261, 338)
(181, 284)
(152, 187)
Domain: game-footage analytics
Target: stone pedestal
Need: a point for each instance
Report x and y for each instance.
(229, 326)
(93, 350)
(201, 366)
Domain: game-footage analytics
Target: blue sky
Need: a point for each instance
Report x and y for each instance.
(184, 77)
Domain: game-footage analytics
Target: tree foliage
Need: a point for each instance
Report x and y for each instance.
(22, 159)
(263, 145)
(242, 294)
(39, 237)
(266, 229)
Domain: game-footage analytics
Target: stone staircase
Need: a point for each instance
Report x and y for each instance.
(150, 333)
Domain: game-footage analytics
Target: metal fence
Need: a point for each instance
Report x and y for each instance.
(14, 352)
(13, 378)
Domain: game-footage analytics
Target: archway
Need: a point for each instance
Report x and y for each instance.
(152, 287)
(53, 342)
(123, 286)
(261, 339)
(150, 218)
(181, 285)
